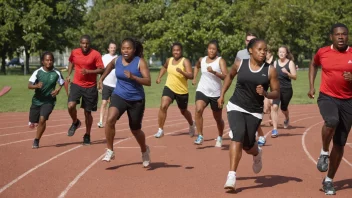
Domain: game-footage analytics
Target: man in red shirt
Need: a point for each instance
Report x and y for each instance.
(87, 63)
(334, 101)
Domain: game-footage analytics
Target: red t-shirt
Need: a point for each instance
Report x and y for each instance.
(333, 64)
(91, 61)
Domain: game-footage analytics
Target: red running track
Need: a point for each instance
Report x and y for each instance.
(62, 167)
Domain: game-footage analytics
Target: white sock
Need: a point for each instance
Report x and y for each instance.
(328, 179)
(322, 152)
(160, 130)
(232, 173)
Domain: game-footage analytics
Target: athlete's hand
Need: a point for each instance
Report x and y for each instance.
(55, 92)
(158, 81)
(221, 102)
(210, 69)
(127, 74)
(311, 93)
(68, 79)
(179, 70)
(100, 85)
(260, 90)
(194, 81)
(40, 85)
(347, 76)
(284, 70)
(84, 71)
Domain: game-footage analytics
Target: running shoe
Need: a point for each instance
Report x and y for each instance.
(73, 128)
(109, 155)
(328, 188)
(323, 163)
(199, 140)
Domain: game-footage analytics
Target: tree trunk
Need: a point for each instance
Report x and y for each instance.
(26, 51)
(3, 58)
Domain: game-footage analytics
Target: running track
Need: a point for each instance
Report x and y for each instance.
(62, 167)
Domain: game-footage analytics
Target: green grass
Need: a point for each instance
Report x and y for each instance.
(19, 98)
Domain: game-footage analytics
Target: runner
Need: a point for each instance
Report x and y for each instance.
(109, 82)
(179, 70)
(245, 107)
(286, 70)
(43, 80)
(87, 63)
(334, 101)
(213, 70)
(132, 73)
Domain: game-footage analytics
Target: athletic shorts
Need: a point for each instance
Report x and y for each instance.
(337, 113)
(135, 110)
(181, 99)
(36, 112)
(107, 91)
(212, 100)
(89, 96)
(244, 127)
(285, 98)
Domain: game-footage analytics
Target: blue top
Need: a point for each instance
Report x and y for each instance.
(126, 88)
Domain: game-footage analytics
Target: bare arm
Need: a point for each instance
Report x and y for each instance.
(163, 70)
(196, 70)
(188, 67)
(70, 67)
(223, 68)
(312, 74)
(145, 80)
(35, 86)
(274, 85)
(95, 71)
(293, 73)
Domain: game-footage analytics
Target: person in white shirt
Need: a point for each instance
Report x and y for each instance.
(213, 69)
(109, 83)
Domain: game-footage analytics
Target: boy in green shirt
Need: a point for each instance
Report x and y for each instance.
(43, 80)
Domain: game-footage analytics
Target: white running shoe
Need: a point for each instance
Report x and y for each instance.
(218, 142)
(159, 134)
(192, 129)
(146, 157)
(257, 161)
(230, 182)
(100, 125)
(230, 134)
(109, 155)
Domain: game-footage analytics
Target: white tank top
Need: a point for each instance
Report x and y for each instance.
(209, 84)
(110, 79)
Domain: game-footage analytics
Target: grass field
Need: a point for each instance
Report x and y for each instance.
(19, 98)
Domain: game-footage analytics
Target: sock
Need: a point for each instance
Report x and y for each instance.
(322, 152)
(219, 138)
(232, 173)
(328, 179)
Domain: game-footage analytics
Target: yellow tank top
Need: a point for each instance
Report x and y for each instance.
(175, 80)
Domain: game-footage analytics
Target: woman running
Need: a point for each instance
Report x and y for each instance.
(132, 73)
(286, 70)
(213, 70)
(179, 70)
(109, 83)
(245, 107)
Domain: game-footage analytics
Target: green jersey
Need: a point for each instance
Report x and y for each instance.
(49, 80)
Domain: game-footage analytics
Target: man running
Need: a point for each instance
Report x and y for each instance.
(334, 101)
(87, 63)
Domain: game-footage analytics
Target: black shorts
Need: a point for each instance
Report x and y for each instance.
(243, 126)
(212, 100)
(337, 113)
(89, 96)
(36, 112)
(181, 99)
(107, 91)
(285, 98)
(135, 110)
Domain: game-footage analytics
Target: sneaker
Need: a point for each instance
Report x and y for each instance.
(218, 142)
(323, 163)
(286, 123)
(192, 129)
(109, 155)
(100, 125)
(261, 141)
(328, 188)
(35, 144)
(230, 182)
(231, 134)
(86, 139)
(146, 157)
(274, 133)
(32, 125)
(257, 161)
(73, 128)
(199, 140)
(159, 134)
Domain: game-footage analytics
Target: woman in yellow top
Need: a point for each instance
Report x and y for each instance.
(179, 70)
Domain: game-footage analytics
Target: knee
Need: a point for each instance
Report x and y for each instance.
(183, 111)
(42, 120)
(136, 132)
(163, 107)
(331, 123)
(135, 128)
(199, 111)
(71, 106)
(104, 102)
(218, 119)
(275, 108)
(110, 122)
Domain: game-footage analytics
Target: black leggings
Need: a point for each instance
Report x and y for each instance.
(285, 98)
